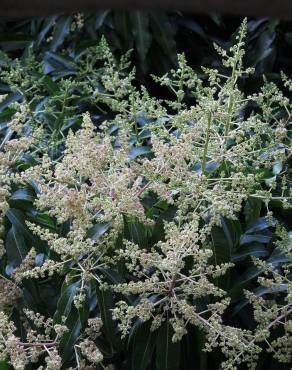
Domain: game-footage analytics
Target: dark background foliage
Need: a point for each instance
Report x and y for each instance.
(155, 38)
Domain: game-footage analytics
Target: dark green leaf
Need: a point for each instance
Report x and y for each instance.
(142, 36)
(98, 230)
(11, 98)
(259, 224)
(61, 30)
(142, 341)
(252, 209)
(249, 238)
(259, 292)
(16, 248)
(64, 304)
(47, 26)
(69, 338)
(24, 194)
(163, 33)
(167, 352)
(16, 217)
(100, 18)
(255, 250)
(139, 151)
(106, 304)
(4, 365)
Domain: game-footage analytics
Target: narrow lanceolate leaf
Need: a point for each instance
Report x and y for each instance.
(106, 304)
(16, 248)
(163, 33)
(140, 29)
(4, 365)
(61, 30)
(142, 343)
(17, 219)
(139, 151)
(70, 337)
(25, 194)
(167, 352)
(98, 230)
(254, 249)
(65, 301)
(100, 18)
(47, 26)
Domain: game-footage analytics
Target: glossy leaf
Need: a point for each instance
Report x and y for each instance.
(61, 30)
(140, 30)
(142, 342)
(106, 303)
(167, 352)
(15, 246)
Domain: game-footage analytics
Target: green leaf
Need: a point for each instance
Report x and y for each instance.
(277, 168)
(100, 18)
(47, 26)
(167, 352)
(106, 304)
(142, 341)
(252, 209)
(4, 365)
(260, 238)
(195, 27)
(140, 30)
(61, 30)
(50, 85)
(123, 29)
(137, 232)
(113, 276)
(255, 250)
(163, 33)
(98, 230)
(16, 217)
(64, 304)
(16, 248)
(69, 338)
(259, 292)
(259, 224)
(14, 41)
(24, 194)
(11, 98)
(139, 151)
(225, 240)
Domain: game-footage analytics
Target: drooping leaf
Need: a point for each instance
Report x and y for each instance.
(4, 365)
(23, 194)
(16, 248)
(167, 352)
(100, 18)
(65, 301)
(17, 219)
(61, 30)
(139, 151)
(140, 30)
(142, 342)
(163, 33)
(255, 250)
(47, 26)
(69, 338)
(106, 304)
(98, 230)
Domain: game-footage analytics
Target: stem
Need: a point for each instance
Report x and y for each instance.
(143, 189)
(279, 318)
(206, 144)
(37, 344)
(227, 126)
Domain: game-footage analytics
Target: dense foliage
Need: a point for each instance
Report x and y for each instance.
(143, 233)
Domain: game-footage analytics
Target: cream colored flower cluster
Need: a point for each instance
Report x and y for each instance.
(205, 159)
